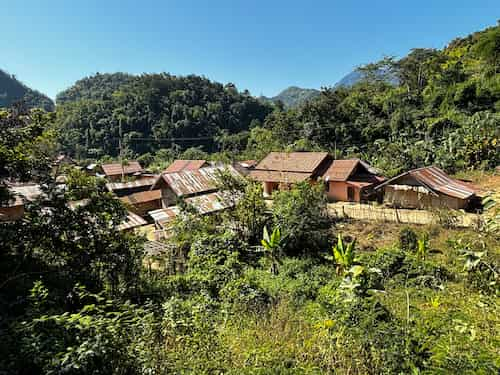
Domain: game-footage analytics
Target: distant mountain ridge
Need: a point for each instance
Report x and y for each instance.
(12, 91)
(293, 96)
(357, 76)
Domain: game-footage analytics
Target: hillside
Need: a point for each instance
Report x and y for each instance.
(293, 96)
(13, 91)
(149, 109)
(96, 87)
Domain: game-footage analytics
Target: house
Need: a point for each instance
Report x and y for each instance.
(14, 209)
(201, 204)
(188, 183)
(186, 165)
(116, 171)
(143, 202)
(427, 187)
(278, 170)
(351, 180)
(121, 189)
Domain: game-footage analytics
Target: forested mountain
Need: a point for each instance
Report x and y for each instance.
(293, 96)
(443, 111)
(149, 108)
(13, 91)
(96, 87)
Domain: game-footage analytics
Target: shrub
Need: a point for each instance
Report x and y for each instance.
(245, 294)
(407, 239)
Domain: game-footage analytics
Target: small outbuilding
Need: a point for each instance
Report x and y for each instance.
(425, 188)
(280, 170)
(351, 180)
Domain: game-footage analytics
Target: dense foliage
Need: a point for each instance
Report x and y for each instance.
(292, 96)
(12, 91)
(147, 111)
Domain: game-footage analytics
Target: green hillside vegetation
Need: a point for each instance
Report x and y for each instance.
(293, 96)
(96, 87)
(149, 109)
(12, 91)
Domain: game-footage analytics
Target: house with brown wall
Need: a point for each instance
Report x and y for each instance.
(143, 202)
(280, 170)
(351, 180)
(426, 188)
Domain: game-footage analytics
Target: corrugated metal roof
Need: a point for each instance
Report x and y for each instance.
(276, 176)
(23, 192)
(185, 165)
(115, 169)
(140, 182)
(132, 221)
(208, 203)
(164, 215)
(142, 197)
(193, 182)
(341, 170)
(304, 162)
(436, 180)
(203, 204)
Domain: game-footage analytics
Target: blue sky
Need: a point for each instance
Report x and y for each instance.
(263, 46)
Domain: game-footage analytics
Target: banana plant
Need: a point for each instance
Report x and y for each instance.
(273, 245)
(422, 247)
(343, 255)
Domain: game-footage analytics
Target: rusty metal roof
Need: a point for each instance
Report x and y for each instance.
(142, 197)
(435, 180)
(23, 192)
(140, 182)
(208, 203)
(302, 162)
(115, 169)
(164, 215)
(193, 182)
(277, 176)
(341, 170)
(132, 221)
(185, 165)
(203, 204)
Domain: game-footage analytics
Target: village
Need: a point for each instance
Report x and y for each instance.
(354, 189)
